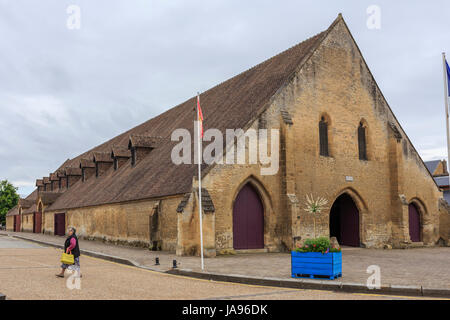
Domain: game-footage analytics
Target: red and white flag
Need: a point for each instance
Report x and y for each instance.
(200, 116)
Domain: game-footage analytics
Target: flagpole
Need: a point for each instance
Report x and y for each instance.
(446, 94)
(200, 180)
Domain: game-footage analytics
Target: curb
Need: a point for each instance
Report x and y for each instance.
(412, 291)
(347, 287)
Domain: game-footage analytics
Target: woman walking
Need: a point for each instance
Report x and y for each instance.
(71, 246)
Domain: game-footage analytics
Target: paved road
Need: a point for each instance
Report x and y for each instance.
(27, 271)
(427, 267)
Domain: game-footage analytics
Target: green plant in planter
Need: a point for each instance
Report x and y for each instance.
(321, 244)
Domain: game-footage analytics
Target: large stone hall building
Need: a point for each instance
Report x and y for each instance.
(339, 139)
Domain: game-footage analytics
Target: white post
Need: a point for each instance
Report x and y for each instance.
(446, 106)
(199, 160)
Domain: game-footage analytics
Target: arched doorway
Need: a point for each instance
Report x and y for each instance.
(344, 221)
(248, 219)
(414, 223)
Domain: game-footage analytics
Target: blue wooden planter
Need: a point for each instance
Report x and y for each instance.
(316, 265)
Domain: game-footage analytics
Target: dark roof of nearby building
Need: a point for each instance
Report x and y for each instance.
(232, 104)
(447, 196)
(432, 165)
(442, 181)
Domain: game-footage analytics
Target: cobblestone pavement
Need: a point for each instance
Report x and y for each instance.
(28, 272)
(427, 267)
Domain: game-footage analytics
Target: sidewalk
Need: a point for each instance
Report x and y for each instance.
(419, 269)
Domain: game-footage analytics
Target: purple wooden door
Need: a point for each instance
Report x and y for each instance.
(349, 223)
(60, 224)
(414, 223)
(17, 223)
(37, 222)
(344, 221)
(248, 220)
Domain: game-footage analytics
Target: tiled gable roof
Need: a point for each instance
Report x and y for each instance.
(33, 195)
(48, 198)
(13, 212)
(26, 203)
(442, 181)
(207, 203)
(144, 141)
(232, 104)
(31, 209)
(432, 165)
(183, 202)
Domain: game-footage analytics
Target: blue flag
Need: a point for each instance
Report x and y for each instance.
(448, 78)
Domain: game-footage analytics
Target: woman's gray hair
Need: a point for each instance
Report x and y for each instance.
(73, 229)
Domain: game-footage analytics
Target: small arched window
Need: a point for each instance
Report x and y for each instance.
(323, 137)
(362, 145)
(116, 164)
(83, 175)
(96, 170)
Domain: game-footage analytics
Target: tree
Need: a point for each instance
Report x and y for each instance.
(8, 198)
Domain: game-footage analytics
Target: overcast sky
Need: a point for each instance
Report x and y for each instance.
(63, 91)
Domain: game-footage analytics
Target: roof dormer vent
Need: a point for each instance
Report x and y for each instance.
(141, 145)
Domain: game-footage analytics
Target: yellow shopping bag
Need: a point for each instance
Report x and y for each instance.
(67, 258)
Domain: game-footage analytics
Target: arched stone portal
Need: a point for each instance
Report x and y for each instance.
(414, 223)
(344, 221)
(248, 219)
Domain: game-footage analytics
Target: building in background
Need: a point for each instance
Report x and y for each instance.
(439, 171)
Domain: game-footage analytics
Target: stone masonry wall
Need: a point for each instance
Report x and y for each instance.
(123, 223)
(10, 223)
